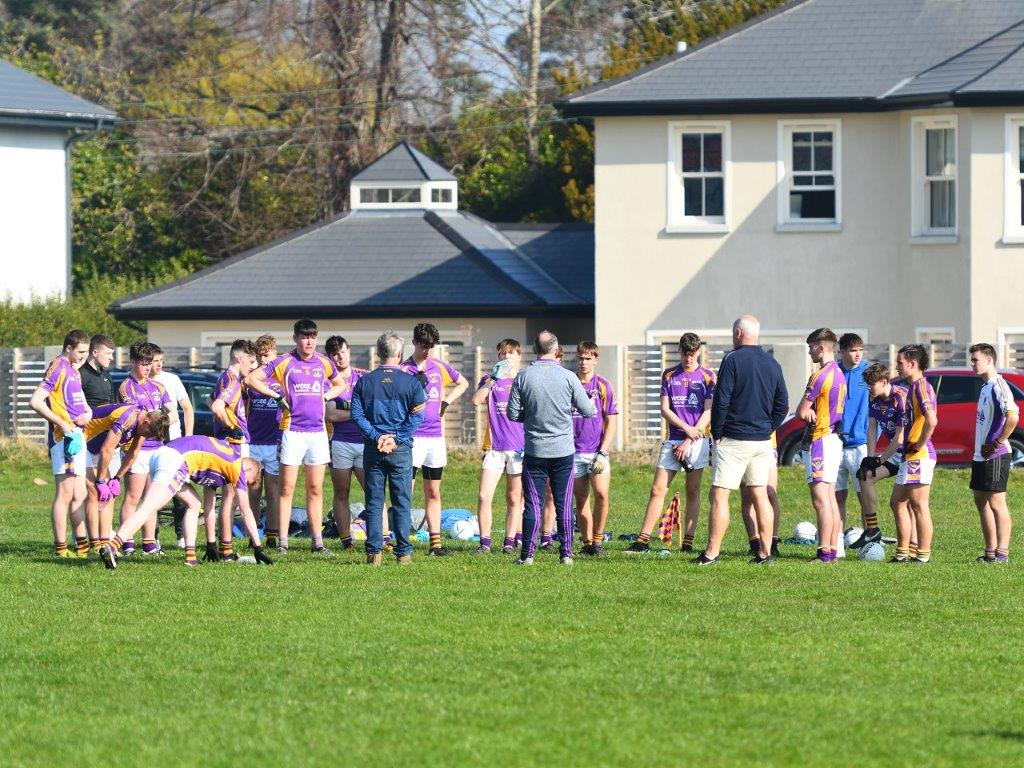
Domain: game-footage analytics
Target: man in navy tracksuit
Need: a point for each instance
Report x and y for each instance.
(855, 422)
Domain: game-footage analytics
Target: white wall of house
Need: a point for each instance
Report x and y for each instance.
(34, 210)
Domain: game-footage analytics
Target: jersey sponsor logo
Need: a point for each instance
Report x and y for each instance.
(692, 401)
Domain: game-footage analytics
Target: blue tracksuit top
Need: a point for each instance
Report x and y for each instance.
(388, 401)
(855, 414)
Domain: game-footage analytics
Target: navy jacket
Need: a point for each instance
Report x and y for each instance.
(750, 400)
(855, 412)
(388, 401)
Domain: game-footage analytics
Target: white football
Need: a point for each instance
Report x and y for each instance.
(805, 530)
(463, 530)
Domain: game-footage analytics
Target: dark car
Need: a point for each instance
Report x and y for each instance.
(199, 384)
(956, 391)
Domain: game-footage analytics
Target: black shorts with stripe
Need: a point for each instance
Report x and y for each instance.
(991, 476)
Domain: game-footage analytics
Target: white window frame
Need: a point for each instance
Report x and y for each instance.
(925, 334)
(1013, 181)
(676, 222)
(921, 230)
(784, 175)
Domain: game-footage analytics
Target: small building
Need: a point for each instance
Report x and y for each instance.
(38, 123)
(851, 164)
(404, 254)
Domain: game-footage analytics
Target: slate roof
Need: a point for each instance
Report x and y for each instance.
(832, 55)
(383, 263)
(403, 162)
(31, 100)
(564, 251)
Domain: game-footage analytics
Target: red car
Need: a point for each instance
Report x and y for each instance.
(957, 391)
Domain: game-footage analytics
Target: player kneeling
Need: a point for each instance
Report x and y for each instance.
(199, 459)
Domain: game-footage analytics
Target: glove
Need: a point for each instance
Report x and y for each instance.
(421, 377)
(282, 403)
(211, 555)
(103, 491)
(236, 434)
(261, 556)
(599, 465)
(444, 406)
(344, 405)
(500, 370)
(868, 464)
(74, 443)
(115, 487)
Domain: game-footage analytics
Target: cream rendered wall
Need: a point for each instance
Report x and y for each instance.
(34, 213)
(867, 276)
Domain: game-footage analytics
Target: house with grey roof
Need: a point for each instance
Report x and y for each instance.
(402, 255)
(851, 164)
(38, 123)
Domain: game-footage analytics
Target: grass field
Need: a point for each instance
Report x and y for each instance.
(468, 660)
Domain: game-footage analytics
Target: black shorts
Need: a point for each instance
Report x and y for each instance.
(429, 473)
(991, 476)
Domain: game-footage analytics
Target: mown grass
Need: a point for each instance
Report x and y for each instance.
(468, 660)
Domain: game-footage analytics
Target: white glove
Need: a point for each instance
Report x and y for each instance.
(600, 464)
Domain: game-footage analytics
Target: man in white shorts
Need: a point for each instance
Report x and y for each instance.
(307, 379)
(750, 403)
(264, 441)
(687, 391)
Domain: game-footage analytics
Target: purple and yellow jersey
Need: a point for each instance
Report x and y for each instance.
(439, 375)
(587, 433)
(501, 434)
(119, 418)
(994, 402)
(231, 391)
(826, 390)
(63, 386)
(347, 431)
(687, 391)
(303, 383)
(921, 400)
(890, 413)
(264, 416)
(149, 395)
(211, 462)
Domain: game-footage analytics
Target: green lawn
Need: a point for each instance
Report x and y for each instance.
(467, 660)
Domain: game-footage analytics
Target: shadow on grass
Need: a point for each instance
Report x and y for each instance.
(1006, 735)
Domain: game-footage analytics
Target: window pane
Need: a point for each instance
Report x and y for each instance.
(405, 195)
(803, 181)
(940, 151)
(1021, 206)
(691, 153)
(812, 205)
(802, 137)
(693, 195)
(822, 136)
(373, 195)
(823, 180)
(942, 204)
(714, 199)
(801, 157)
(712, 152)
(823, 157)
(959, 389)
(440, 195)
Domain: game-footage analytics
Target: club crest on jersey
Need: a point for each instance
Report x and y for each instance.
(817, 464)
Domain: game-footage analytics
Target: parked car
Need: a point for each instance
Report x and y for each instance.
(198, 384)
(956, 390)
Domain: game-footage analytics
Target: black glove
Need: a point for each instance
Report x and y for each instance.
(444, 406)
(211, 555)
(261, 556)
(236, 434)
(344, 405)
(421, 377)
(869, 464)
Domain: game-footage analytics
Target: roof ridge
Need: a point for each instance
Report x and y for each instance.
(412, 153)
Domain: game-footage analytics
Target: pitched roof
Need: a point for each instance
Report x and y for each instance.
(564, 251)
(836, 55)
(403, 162)
(28, 99)
(374, 263)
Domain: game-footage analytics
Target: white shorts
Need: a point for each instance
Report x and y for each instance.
(507, 462)
(166, 469)
(429, 452)
(581, 464)
(346, 455)
(821, 460)
(746, 462)
(92, 461)
(141, 464)
(698, 455)
(243, 449)
(67, 465)
(266, 455)
(916, 472)
(849, 463)
(309, 448)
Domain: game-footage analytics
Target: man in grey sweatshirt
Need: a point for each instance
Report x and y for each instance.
(543, 398)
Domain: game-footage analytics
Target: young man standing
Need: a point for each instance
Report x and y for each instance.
(855, 422)
(918, 465)
(998, 415)
(346, 440)
(687, 391)
(307, 379)
(179, 399)
(503, 448)
(60, 400)
(429, 452)
(96, 382)
(887, 415)
(264, 438)
(593, 436)
(822, 409)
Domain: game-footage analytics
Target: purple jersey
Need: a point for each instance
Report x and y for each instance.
(303, 382)
(149, 395)
(119, 418)
(347, 431)
(63, 385)
(211, 462)
(890, 413)
(587, 432)
(687, 391)
(826, 391)
(501, 434)
(439, 375)
(231, 391)
(921, 399)
(264, 416)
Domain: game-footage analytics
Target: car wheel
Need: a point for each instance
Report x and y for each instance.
(1016, 452)
(790, 456)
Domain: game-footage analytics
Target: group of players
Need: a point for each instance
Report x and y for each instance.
(275, 413)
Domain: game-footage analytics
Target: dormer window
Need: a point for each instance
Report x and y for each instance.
(403, 178)
(389, 195)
